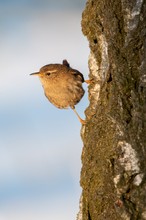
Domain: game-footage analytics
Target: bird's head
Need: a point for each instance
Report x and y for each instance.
(46, 71)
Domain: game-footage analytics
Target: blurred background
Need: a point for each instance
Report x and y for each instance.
(40, 145)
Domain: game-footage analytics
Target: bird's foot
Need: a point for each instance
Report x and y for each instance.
(89, 81)
(83, 122)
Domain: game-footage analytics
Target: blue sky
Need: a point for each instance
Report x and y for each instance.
(40, 145)
(50, 4)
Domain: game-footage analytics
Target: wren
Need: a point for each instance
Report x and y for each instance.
(62, 85)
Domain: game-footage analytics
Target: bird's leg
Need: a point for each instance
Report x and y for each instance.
(80, 119)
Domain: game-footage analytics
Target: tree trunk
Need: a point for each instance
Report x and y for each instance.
(113, 176)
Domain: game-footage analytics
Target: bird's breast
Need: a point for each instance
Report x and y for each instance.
(63, 92)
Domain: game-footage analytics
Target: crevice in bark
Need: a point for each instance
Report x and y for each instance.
(110, 78)
(89, 216)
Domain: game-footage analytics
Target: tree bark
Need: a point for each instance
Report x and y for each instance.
(113, 175)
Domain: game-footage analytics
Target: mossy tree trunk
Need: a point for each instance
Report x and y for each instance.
(113, 176)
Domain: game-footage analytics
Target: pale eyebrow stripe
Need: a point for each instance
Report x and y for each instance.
(52, 71)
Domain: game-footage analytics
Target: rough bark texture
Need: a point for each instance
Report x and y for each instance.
(113, 176)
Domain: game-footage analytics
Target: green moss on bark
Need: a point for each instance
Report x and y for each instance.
(113, 157)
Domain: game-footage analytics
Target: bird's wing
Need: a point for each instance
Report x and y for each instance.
(78, 74)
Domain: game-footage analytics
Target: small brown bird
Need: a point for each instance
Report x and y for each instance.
(62, 85)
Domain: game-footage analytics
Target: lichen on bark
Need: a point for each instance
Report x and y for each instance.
(114, 153)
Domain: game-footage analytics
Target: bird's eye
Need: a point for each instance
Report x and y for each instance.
(48, 74)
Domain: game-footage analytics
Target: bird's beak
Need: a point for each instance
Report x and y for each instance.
(36, 73)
